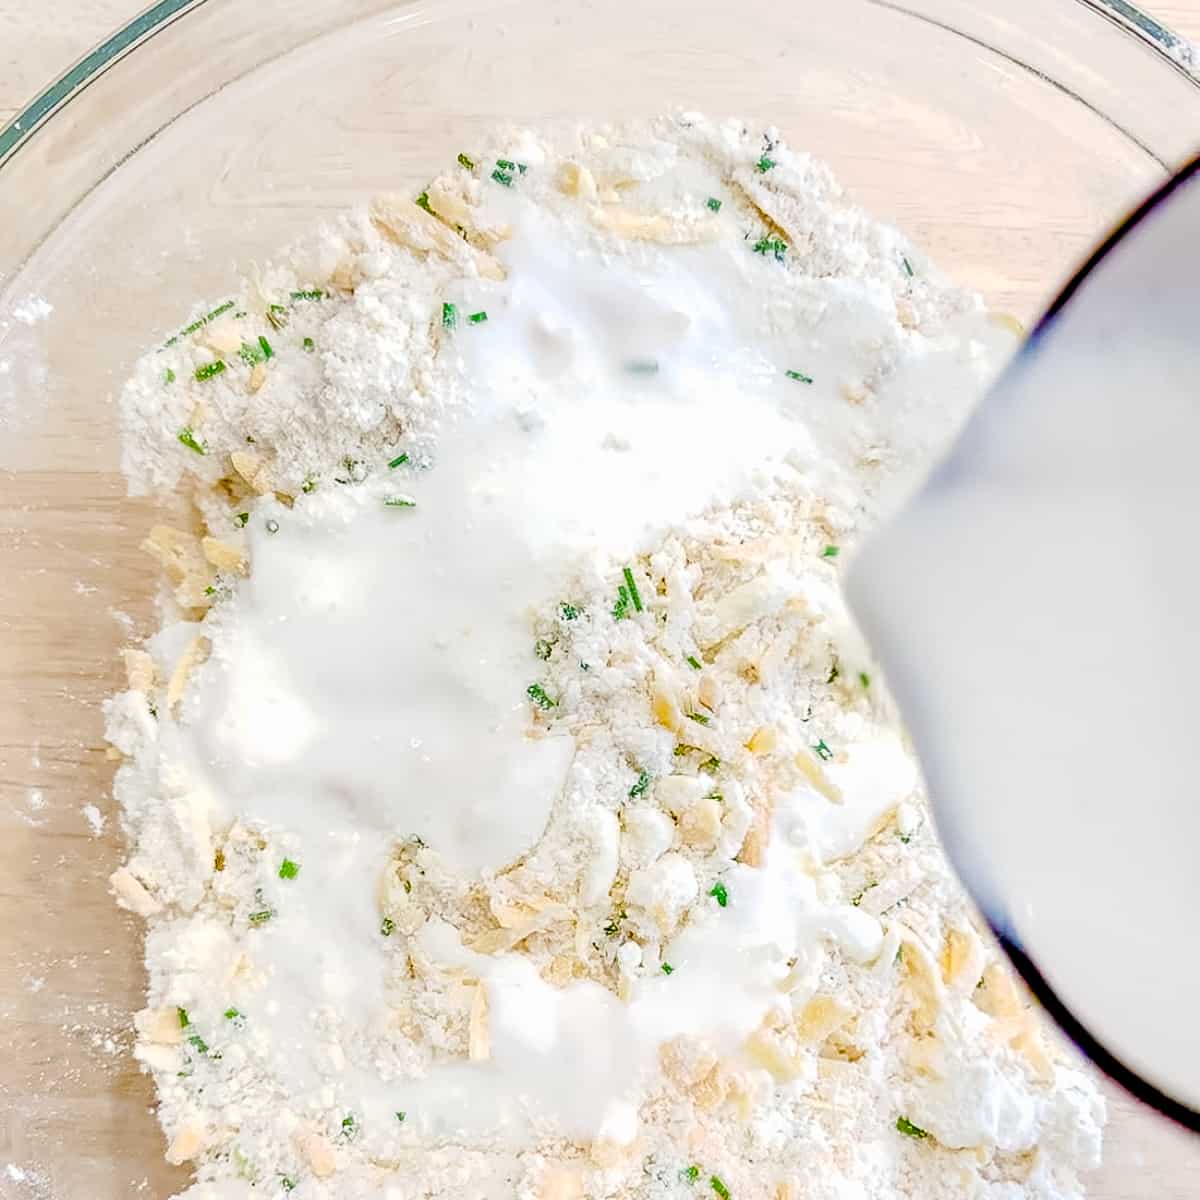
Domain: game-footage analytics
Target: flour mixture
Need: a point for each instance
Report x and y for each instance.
(513, 808)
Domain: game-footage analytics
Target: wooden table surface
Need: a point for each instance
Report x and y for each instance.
(35, 46)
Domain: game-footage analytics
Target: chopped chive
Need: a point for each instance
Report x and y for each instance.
(908, 270)
(261, 917)
(683, 748)
(232, 1014)
(241, 519)
(568, 612)
(906, 1127)
(478, 318)
(464, 161)
(639, 788)
(834, 671)
(272, 526)
(831, 552)
(506, 164)
(502, 177)
(349, 1127)
(423, 202)
(722, 896)
(718, 1186)
(310, 294)
(667, 969)
(905, 838)
(188, 438)
(694, 663)
(398, 461)
(251, 355)
(633, 591)
(857, 900)
(402, 1116)
(309, 345)
(539, 696)
(277, 316)
(764, 164)
(200, 1044)
(399, 502)
(170, 375)
(691, 1174)
(184, 1019)
(621, 606)
(543, 648)
(799, 375)
(449, 315)
(717, 796)
(713, 203)
(210, 370)
(288, 869)
(522, 167)
(711, 765)
(822, 751)
(309, 485)
(287, 1184)
(265, 347)
(387, 926)
(698, 717)
(771, 245)
(864, 679)
(216, 312)
(210, 590)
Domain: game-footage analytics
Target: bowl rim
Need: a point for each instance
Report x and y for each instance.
(1174, 51)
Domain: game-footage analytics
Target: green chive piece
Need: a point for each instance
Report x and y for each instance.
(216, 312)
(403, 1116)
(764, 164)
(209, 370)
(387, 926)
(232, 1014)
(799, 375)
(711, 766)
(834, 671)
(857, 900)
(908, 269)
(633, 591)
(399, 502)
(309, 345)
(188, 438)
(184, 1019)
(539, 696)
(639, 788)
(478, 318)
(241, 519)
(210, 590)
(722, 896)
(502, 177)
(568, 612)
(717, 796)
(398, 461)
(277, 316)
(698, 717)
(621, 607)
(349, 1127)
(261, 917)
(906, 1127)
(694, 663)
(288, 1185)
(200, 1044)
(449, 315)
(250, 355)
(691, 1174)
(713, 203)
(771, 245)
(506, 164)
(831, 552)
(822, 751)
(464, 161)
(288, 869)
(309, 485)
(864, 679)
(170, 376)
(718, 1186)
(265, 347)
(667, 969)
(543, 648)
(310, 294)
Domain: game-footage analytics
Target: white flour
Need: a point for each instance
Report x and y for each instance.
(529, 822)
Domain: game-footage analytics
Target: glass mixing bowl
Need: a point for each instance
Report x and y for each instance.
(1006, 137)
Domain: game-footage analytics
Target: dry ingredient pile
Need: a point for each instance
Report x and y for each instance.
(512, 808)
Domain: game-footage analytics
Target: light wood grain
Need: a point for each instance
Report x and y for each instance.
(1149, 1158)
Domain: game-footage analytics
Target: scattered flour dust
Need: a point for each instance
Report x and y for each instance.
(512, 807)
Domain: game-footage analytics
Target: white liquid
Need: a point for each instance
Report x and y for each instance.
(1037, 611)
